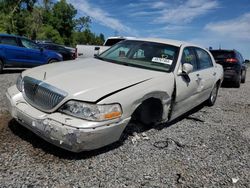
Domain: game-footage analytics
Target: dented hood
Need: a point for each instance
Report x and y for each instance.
(90, 79)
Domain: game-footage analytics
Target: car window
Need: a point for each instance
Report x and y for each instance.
(9, 41)
(120, 52)
(204, 59)
(188, 56)
(143, 54)
(29, 44)
(221, 54)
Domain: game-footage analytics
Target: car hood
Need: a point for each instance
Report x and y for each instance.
(90, 79)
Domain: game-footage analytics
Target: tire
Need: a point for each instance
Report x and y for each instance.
(52, 61)
(213, 95)
(1, 66)
(243, 76)
(238, 81)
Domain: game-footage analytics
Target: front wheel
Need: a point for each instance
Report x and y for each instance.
(213, 96)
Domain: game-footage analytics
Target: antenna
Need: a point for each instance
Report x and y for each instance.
(220, 46)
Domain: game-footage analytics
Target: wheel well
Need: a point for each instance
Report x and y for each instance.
(153, 108)
(52, 59)
(218, 83)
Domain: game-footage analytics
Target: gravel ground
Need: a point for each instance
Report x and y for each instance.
(207, 148)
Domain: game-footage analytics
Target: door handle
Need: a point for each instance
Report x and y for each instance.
(198, 75)
(214, 73)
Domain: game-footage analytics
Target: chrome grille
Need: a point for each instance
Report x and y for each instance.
(41, 95)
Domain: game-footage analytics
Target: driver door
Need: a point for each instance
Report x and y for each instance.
(35, 56)
(188, 87)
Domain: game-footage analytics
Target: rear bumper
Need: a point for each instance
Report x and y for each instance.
(231, 75)
(64, 131)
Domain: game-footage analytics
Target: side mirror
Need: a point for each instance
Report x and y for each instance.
(97, 48)
(41, 49)
(247, 61)
(187, 68)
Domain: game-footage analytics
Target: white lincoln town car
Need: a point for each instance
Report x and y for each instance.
(87, 103)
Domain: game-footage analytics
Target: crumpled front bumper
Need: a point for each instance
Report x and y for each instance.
(65, 131)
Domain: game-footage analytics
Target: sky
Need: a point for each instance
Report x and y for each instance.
(209, 23)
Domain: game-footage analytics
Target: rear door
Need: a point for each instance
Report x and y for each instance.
(207, 73)
(14, 54)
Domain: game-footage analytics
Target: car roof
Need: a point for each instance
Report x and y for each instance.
(51, 44)
(120, 37)
(223, 50)
(177, 43)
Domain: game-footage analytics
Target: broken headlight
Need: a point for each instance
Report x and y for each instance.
(92, 112)
(19, 83)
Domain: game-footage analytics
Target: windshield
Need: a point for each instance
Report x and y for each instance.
(149, 55)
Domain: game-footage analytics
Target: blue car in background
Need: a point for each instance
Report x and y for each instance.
(17, 51)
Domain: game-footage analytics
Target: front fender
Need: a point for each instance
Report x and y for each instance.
(159, 88)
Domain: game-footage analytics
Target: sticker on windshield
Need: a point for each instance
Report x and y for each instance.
(162, 60)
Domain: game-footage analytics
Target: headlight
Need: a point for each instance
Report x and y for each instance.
(19, 83)
(92, 112)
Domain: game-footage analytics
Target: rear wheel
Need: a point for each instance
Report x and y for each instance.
(243, 76)
(1, 66)
(213, 96)
(238, 81)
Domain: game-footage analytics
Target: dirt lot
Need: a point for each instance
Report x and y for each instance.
(207, 148)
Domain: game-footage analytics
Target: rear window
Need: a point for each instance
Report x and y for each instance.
(222, 54)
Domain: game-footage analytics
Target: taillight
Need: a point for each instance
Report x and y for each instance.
(231, 60)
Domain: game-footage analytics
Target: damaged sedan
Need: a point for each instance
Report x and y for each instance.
(87, 103)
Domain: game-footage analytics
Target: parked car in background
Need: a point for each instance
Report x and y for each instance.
(17, 51)
(66, 52)
(87, 104)
(91, 50)
(233, 64)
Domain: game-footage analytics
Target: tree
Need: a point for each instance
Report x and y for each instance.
(46, 19)
(36, 22)
(82, 22)
(62, 19)
(47, 4)
(47, 32)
